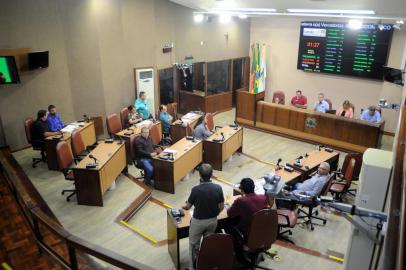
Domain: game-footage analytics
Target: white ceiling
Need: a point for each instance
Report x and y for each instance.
(384, 8)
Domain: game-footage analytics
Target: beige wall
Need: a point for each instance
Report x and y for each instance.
(94, 46)
(281, 35)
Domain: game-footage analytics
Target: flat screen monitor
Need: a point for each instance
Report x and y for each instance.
(393, 75)
(38, 60)
(8, 70)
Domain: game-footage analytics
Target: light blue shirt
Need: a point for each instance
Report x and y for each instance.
(322, 106)
(165, 118)
(141, 106)
(372, 119)
(201, 133)
(312, 186)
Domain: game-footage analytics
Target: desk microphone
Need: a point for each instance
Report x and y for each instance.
(94, 158)
(300, 157)
(277, 164)
(222, 136)
(306, 155)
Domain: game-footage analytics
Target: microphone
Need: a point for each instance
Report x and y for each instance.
(86, 118)
(222, 135)
(277, 164)
(94, 158)
(300, 157)
(306, 155)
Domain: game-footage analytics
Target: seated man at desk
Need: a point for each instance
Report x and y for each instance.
(132, 117)
(201, 131)
(145, 153)
(314, 185)
(40, 130)
(299, 100)
(54, 122)
(371, 115)
(141, 106)
(208, 200)
(321, 105)
(166, 119)
(247, 205)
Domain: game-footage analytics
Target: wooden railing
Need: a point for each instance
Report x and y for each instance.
(42, 225)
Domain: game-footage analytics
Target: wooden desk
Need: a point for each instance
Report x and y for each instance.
(179, 231)
(87, 132)
(215, 153)
(91, 184)
(178, 128)
(313, 161)
(328, 129)
(247, 106)
(192, 101)
(168, 172)
(127, 133)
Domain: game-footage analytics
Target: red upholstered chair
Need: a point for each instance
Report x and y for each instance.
(65, 162)
(28, 127)
(358, 164)
(280, 95)
(216, 252)
(262, 234)
(342, 186)
(189, 130)
(209, 121)
(113, 124)
(287, 218)
(155, 134)
(133, 152)
(173, 110)
(123, 116)
(79, 149)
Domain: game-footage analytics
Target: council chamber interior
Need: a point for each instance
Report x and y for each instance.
(282, 88)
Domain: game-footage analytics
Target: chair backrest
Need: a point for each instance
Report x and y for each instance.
(63, 155)
(113, 124)
(379, 109)
(280, 95)
(327, 185)
(173, 110)
(348, 176)
(263, 230)
(209, 121)
(123, 116)
(27, 126)
(189, 130)
(78, 146)
(358, 164)
(216, 252)
(155, 134)
(329, 103)
(133, 151)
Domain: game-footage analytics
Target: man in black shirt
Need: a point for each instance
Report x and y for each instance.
(145, 153)
(208, 201)
(40, 130)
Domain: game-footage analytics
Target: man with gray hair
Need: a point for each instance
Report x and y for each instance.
(314, 185)
(321, 104)
(145, 153)
(371, 115)
(208, 200)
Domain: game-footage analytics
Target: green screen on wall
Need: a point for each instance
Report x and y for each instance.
(8, 70)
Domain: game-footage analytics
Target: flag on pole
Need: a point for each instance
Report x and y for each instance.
(258, 68)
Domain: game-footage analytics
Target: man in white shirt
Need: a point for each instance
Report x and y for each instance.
(321, 105)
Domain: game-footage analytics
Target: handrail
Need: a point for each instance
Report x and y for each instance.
(73, 242)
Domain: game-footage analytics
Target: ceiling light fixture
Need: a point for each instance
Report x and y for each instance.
(331, 11)
(198, 18)
(225, 18)
(400, 22)
(245, 9)
(355, 24)
(243, 16)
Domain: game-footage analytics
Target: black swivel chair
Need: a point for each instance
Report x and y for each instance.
(28, 129)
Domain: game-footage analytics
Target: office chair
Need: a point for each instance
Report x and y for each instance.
(280, 95)
(329, 103)
(287, 218)
(342, 186)
(216, 252)
(312, 204)
(133, 152)
(189, 130)
(65, 162)
(262, 234)
(209, 121)
(357, 167)
(157, 139)
(173, 110)
(123, 116)
(113, 124)
(79, 149)
(28, 129)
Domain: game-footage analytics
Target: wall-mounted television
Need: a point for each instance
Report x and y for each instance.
(38, 60)
(335, 48)
(393, 75)
(8, 70)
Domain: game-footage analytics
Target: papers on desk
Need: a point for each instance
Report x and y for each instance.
(144, 123)
(259, 187)
(70, 128)
(170, 151)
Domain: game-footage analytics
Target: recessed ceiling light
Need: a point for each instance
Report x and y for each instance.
(225, 18)
(198, 18)
(246, 9)
(242, 16)
(331, 11)
(400, 22)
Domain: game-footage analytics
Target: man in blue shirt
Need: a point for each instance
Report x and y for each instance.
(371, 115)
(54, 122)
(141, 106)
(314, 185)
(321, 105)
(165, 118)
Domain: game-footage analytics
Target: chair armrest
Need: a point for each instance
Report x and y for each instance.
(286, 203)
(287, 219)
(216, 127)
